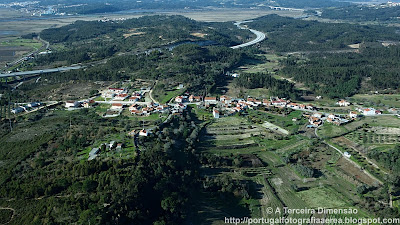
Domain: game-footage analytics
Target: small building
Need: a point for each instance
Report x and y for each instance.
(179, 99)
(193, 98)
(369, 112)
(121, 97)
(319, 115)
(346, 154)
(117, 106)
(119, 147)
(116, 90)
(112, 144)
(266, 102)
(225, 99)
(216, 114)
(393, 111)
(93, 153)
(72, 104)
(134, 98)
(144, 133)
(89, 104)
(210, 100)
(17, 110)
(276, 101)
(343, 103)
(353, 115)
(34, 104)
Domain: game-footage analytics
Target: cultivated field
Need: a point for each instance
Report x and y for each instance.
(282, 185)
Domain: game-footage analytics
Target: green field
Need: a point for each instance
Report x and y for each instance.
(169, 95)
(34, 44)
(266, 63)
(392, 100)
(323, 197)
(330, 130)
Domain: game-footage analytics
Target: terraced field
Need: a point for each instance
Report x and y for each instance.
(279, 184)
(231, 134)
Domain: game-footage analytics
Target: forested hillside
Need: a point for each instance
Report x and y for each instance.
(363, 13)
(340, 75)
(288, 34)
(93, 40)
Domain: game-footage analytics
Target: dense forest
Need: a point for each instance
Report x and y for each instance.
(281, 88)
(288, 34)
(389, 159)
(94, 40)
(51, 183)
(363, 13)
(340, 75)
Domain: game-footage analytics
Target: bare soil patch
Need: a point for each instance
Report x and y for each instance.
(354, 172)
(200, 35)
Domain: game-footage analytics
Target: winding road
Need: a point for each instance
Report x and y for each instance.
(260, 35)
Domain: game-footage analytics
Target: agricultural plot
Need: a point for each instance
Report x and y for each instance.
(283, 185)
(323, 197)
(374, 137)
(392, 100)
(286, 124)
(231, 133)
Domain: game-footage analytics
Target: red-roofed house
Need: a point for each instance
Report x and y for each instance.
(216, 113)
(210, 100)
(193, 98)
(117, 106)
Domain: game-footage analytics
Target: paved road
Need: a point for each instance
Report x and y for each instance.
(260, 36)
(35, 72)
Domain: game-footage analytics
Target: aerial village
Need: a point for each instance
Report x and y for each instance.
(140, 104)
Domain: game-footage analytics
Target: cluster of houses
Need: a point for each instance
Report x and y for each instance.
(147, 110)
(121, 94)
(26, 108)
(104, 147)
(232, 105)
(78, 104)
(316, 119)
(369, 111)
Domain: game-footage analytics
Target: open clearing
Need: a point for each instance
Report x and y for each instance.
(322, 197)
(273, 127)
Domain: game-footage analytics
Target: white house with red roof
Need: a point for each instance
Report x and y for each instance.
(369, 112)
(225, 99)
(215, 113)
(144, 133)
(193, 98)
(266, 102)
(179, 99)
(343, 103)
(353, 114)
(210, 100)
(121, 97)
(117, 106)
